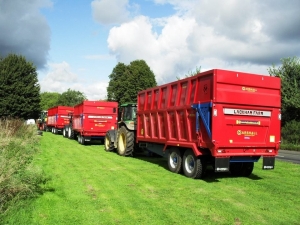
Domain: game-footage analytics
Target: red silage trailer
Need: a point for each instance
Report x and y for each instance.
(91, 120)
(224, 118)
(58, 118)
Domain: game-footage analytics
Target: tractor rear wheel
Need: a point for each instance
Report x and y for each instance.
(175, 160)
(108, 145)
(125, 142)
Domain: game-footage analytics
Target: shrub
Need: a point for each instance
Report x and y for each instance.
(291, 133)
(19, 178)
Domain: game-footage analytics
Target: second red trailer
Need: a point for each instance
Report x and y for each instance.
(91, 120)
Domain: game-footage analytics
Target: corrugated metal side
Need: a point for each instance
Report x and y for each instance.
(193, 112)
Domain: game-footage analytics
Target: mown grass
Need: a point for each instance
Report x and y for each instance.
(19, 178)
(91, 186)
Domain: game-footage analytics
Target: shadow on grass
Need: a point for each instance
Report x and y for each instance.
(210, 175)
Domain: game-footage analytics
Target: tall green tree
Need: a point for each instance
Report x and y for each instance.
(289, 72)
(19, 88)
(49, 99)
(126, 81)
(117, 84)
(70, 98)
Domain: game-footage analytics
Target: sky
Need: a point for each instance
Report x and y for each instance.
(76, 43)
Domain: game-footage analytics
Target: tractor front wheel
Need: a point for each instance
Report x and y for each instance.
(108, 144)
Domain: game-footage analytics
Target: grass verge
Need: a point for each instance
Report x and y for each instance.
(291, 147)
(91, 186)
(19, 179)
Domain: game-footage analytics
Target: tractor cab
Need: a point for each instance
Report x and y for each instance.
(127, 115)
(42, 120)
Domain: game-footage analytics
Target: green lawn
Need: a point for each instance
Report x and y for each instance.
(91, 186)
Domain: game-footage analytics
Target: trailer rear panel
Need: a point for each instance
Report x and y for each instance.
(94, 118)
(58, 116)
(228, 113)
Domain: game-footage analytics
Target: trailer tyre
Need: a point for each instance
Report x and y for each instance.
(70, 133)
(45, 127)
(125, 142)
(192, 166)
(175, 160)
(80, 139)
(241, 169)
(65, 133)
(108, 145)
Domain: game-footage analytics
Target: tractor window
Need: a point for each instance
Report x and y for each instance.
(133, 113)
(127, 113)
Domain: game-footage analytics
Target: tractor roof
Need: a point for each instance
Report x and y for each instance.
(128, 104)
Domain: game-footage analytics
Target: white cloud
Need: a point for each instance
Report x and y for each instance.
(236, 35)
(162, 52)
(110, 11)
(60, 77)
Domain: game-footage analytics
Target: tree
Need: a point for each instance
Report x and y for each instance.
(289, 72)
(19, 88)
(116, 86)
(70, 98)
(49, 99)
(126, 81)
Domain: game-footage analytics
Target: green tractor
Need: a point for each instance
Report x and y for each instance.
(42, 121)
(123, 138)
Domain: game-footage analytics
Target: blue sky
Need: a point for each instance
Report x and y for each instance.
(76, 44)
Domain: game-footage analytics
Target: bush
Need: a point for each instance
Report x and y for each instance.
(19, 178)
(290, 133)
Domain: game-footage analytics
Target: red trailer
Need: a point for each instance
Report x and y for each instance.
(91, 120)
(58, 118)
(224, 118)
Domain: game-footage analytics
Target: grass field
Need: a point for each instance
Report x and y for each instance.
(91, 186)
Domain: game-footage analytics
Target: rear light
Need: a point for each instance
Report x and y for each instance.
(221, 151)
(112, 127)
(215, 112)
(269, 150)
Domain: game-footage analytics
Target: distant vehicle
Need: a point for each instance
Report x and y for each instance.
(42, 121)
(58, 117)
(90, 121)
(30, 122)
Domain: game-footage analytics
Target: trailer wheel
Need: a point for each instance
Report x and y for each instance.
(175, 160)
(248, 168)
(192, 166)
(70, 133)
(80, 139)
(108, 145)
(241, 169)
(45, 127)
(125, 142)
(65, 132)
